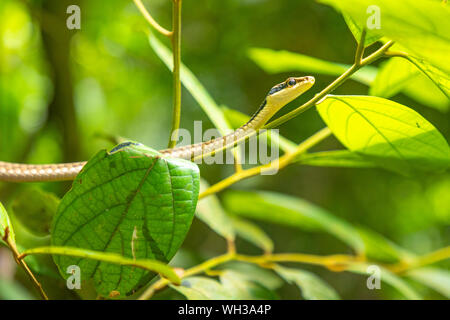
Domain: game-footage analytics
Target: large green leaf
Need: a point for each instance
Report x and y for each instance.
(131, 201)
(6, 229)
(387, 133)
(210, 211)
(290, 211)
(420, 26)
(35, 209)
(312, 287)
(273, 61)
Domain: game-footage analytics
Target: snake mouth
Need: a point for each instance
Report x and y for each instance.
(307, 79)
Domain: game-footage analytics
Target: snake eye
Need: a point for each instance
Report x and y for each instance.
(292, 82)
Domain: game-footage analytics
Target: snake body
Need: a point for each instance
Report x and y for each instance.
(278, 97)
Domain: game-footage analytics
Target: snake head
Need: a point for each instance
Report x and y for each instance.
(285, 92)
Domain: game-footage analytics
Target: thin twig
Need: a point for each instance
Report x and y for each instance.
(331, 87)
(360, 49)
(278, 164)
(24, 265)
(176, 48)
(152, 21)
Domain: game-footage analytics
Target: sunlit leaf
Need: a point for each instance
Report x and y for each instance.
(399, 74)
(131, 201)
(434, 278)
(387, 133)
(210, 211)
(311, 286)
(273, 61)
(424, 33)
(392, 77)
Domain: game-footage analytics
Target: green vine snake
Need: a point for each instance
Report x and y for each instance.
(278, 97)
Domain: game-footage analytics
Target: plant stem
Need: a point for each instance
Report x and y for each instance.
(176, 48)
(23, 264)
(335, 263)
(150, 19)
(279, 163)
(360, 49)
(430, 258)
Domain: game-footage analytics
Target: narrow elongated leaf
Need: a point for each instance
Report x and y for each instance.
(252, 233)
(424, 32)
(387, 277)
(393, 76)
(210, 211)
(35, 209)
(290, 211)
(335, 158)
(252, 272)
(298, 213)
(201, 288)
(312, 287)
(381, 249)
(387, 133)
(273, 61)
(399, 74)
(6, 229)
(434, 278)
(131, 201)
(241, 288)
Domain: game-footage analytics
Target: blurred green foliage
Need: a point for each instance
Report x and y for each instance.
(120, 88)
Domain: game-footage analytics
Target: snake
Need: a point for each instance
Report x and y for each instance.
(278, 96)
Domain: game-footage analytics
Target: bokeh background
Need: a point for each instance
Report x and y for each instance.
(63, 93)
